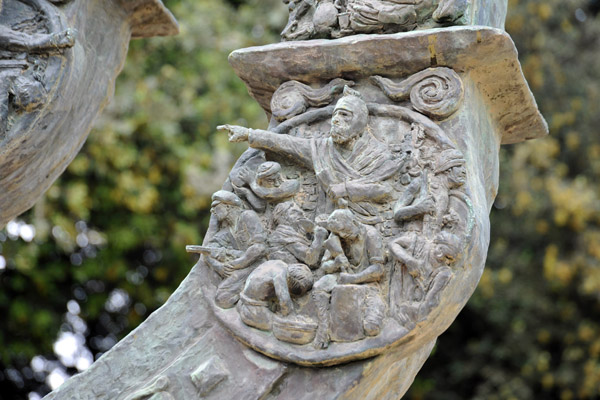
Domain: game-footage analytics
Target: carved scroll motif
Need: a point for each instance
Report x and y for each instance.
(339, 231)
(293, 98)
(435, 92)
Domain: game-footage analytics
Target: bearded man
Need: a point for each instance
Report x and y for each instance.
(350, 164)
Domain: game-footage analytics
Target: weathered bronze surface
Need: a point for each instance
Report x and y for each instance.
(53, 83)
(310, 19)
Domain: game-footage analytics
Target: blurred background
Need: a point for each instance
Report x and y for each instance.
(106, 245)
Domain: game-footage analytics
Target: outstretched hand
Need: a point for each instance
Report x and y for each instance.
(236, 133)
(63, 39)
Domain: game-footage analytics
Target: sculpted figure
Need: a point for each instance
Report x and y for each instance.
(450, 174)
(293, 98)
(241, 231)
(26, 91)
(270, 184)
(361, 263)
(266, 184)
(18, 41)
(397, 15)
(330, 19)
(350, 165)
(291, 240)
(372, 15)
(428, 263)
(415, 199)
(272, 281)
(300, 25)
(450, 10)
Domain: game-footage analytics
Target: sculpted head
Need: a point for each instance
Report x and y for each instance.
(299, 278)
(268, 174)
(224, 203)
(287, 213)
(350, 117)
(452, 163)
(447, 247)
(341, 222)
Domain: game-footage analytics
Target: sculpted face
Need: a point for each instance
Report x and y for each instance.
(271, 181)
(458, 175)
(348, 121)
(443, 254)
(341, 224)
(340, 126)
(295, 213)
(220, 211)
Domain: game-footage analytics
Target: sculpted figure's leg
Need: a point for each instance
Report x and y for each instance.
(375, 312)
(255, 315)
(322, 336)
(322, 295)
(439, 282)
(228, 292)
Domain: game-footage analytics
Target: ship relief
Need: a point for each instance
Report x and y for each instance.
(341, 227)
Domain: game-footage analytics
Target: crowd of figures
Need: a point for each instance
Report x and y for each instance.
(347, 224)
(336, 18)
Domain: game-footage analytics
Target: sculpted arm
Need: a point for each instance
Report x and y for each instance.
(310, 255)
(251, 222)
(357, 191)
(375, 253)
(275, 193)
(398, 250)
(369, 188)
(14, 40)
(254, 253)
(298, 149)
(408, 206)
(282, 292)
(373, 273)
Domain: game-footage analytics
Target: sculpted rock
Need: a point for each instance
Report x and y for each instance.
(52, 84)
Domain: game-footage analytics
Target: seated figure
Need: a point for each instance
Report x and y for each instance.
(236, 248)
(272, 284)
(267, 184)
(428, 263)
(295, 238)
(354, 256)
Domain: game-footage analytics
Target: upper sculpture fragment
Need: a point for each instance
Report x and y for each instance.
(336, 18)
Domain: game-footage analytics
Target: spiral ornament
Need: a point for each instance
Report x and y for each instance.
(439, 94)
(435, 92)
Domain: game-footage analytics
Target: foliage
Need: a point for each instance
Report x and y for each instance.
(110, 234)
